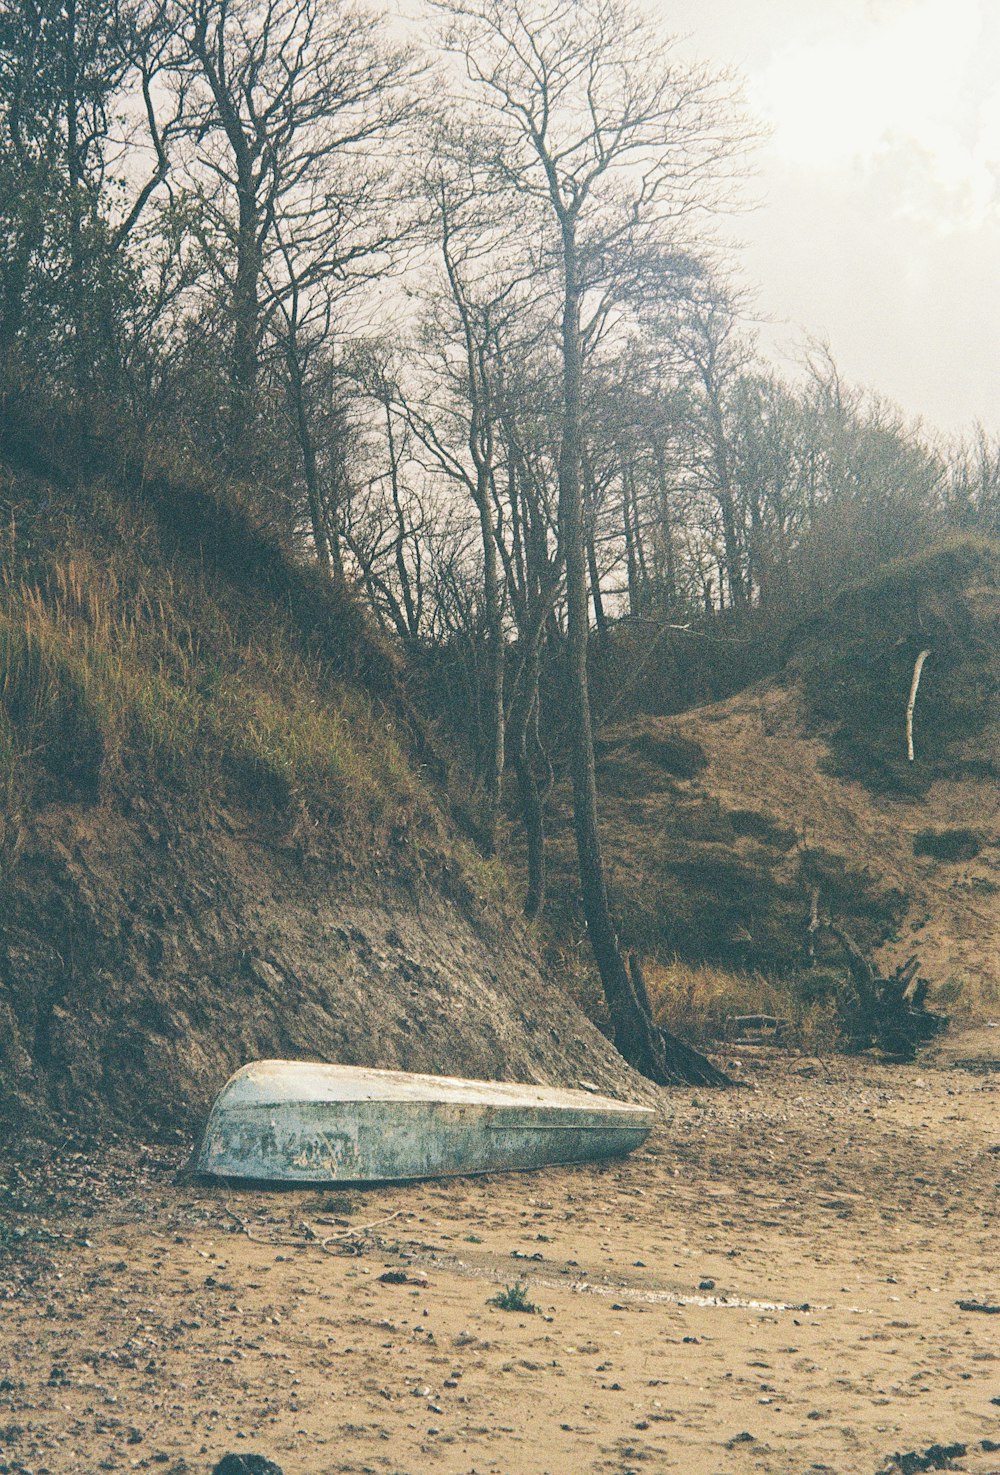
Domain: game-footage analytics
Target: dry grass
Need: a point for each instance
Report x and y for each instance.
(966, 999)
(114, 674)
(695, 1003)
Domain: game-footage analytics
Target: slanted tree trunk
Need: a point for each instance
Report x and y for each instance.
(494, 679)
(646, 1047)
(530, 802)
(481, 450)
(628, 529)
(245, 324)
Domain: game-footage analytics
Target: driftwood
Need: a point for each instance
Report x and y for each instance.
(914, 688)
(887, 1013)
(757, 1029)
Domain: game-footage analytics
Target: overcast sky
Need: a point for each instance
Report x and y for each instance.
(878, 223)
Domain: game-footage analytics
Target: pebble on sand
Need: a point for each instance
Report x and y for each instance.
(247, 1464)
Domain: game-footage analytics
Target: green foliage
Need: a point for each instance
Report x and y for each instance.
(514, 1298)
(948, 845)
(856, 661)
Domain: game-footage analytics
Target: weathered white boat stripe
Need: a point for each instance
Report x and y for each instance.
(298, 1121)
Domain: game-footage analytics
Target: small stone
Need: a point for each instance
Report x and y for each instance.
(247, 1464)
(707, 1284)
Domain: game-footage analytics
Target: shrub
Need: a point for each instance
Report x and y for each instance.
(680, 756)
(514, 1298)
(948, 845)
(761, 827)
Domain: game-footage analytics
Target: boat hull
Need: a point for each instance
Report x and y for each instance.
(283, 1121)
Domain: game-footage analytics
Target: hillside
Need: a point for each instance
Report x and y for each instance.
(722, 824)
(218, 839)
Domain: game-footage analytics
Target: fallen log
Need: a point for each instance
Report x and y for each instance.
(885, 1012)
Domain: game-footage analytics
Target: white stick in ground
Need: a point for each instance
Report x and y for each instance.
(914, 688)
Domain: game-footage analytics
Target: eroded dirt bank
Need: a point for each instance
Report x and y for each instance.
(841, 1211)
(142, 962)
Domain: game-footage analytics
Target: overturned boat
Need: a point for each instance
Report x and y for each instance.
(296, 1122)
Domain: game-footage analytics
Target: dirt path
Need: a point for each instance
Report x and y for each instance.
(841, 1211)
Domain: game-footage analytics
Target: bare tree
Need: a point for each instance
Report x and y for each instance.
(596, 119)
(483, 290)
(385, 524)
(527, 398)
(708, 332)
(83, 150)
(973, 491)
(289, 98)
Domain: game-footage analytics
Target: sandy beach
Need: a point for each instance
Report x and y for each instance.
(772, 1284)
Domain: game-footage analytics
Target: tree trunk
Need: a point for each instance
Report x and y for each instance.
(246, 312)
(533, 819)
(531, 807)
(495, 721)
(628, 528)
(666, 527)
(307, 449)
(727, 506)
(74, 174)
(590, 496)
(640, 549)
(638, 1039)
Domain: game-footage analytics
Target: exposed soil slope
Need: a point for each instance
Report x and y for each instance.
(727, 825)
(141, 963)
(761, 758)
(721, 865)
(223, 833)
